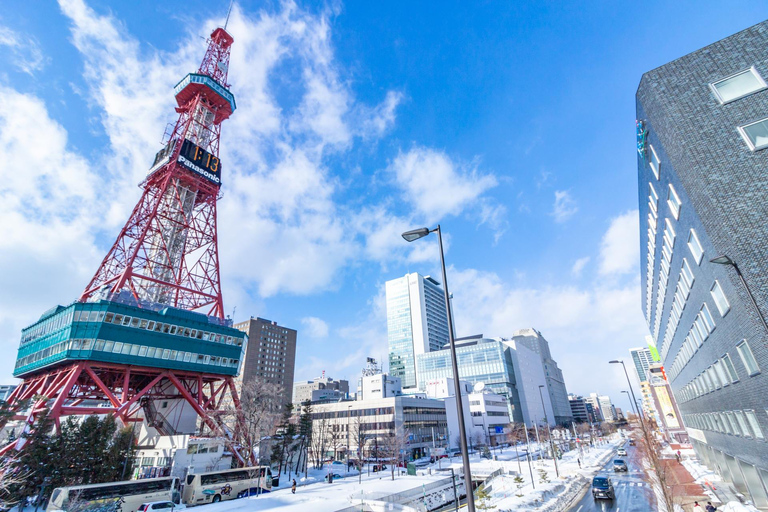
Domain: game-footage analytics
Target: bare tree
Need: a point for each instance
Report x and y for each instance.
(657, 468)
(9, 479)
(392, 445)
(261, 406)
(360, 437)
(319, 441)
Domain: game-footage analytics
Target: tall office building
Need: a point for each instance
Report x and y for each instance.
(642, 360)
(270, 354)
(702, 123)
(558, 394)
(416, 323)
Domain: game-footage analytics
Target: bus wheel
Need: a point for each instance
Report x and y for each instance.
(216, 498)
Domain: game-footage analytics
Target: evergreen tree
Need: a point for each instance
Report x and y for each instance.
(305, 431)
(37, 460)
(519, 483)
(543, 477)
(483, 499)
(118, 463)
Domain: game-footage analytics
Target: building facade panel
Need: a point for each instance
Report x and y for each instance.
(699, 178)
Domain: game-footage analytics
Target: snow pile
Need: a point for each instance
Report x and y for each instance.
(553, 497)
(735, 506)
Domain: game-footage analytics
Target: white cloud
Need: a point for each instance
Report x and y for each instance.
(315, 327)
(582, 325)
(49, 216)
(620, 247)
(564, 207)
(579, 265)
(280, 228)
(24, 49)
(585, 325)
(436, 186)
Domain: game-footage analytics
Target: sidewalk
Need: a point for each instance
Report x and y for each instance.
(720, 493)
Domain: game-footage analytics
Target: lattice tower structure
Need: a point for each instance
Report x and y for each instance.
(150, 325)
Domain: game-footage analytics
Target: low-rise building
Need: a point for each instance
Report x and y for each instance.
(320, 389)
(420, 423)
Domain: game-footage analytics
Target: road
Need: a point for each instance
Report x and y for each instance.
(632, 493)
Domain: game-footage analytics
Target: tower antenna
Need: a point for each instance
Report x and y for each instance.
(229, 11)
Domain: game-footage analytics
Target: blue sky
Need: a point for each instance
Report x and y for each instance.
(511, 124)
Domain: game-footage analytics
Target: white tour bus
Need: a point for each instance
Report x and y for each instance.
(115, 496)
(214, 486)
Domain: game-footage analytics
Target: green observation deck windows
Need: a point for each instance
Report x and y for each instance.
(110, 332)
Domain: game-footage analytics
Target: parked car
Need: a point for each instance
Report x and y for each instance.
(619, 465)
(335, 476)
(621, 452)
(631, 442)
(602, 488)
(165, 506)
(338, 463)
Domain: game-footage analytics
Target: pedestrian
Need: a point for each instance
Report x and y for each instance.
(579, 461)
(711, 507)
(697, 507)
(293, 487)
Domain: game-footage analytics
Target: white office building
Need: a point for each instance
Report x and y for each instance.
(641, 360)
(555, 382)
(529, 375)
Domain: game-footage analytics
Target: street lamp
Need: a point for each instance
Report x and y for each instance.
(617, 361)
(549, 434)
(411, 236)
(725, 260)
(632, 406)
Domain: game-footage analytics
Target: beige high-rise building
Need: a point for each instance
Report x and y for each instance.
(270, 354)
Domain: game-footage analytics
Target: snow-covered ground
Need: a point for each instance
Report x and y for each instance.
(550, 492)
(314, 494)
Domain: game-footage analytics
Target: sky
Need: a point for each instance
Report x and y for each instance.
(509, 123)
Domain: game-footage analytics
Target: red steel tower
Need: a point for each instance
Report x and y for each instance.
(150, 325)
(167, 252)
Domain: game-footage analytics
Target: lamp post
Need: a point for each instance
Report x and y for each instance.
(411, 236)
(349, 414)
(619, 361)
(632, 406)
(725, 260)
(549, 434)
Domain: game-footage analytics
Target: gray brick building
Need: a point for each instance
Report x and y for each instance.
(703, 184)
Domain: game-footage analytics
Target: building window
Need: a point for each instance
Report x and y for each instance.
(673, 200)
(687, 274)
(752, 419)
(755, 134)
(743, 423)
(747, 358)
(653, 197)
(718, 366)
(720, 301)
(695, 246)
(654, 162)
(728, 364)
(737, 86)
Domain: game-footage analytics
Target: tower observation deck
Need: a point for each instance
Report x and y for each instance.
(150, 324)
